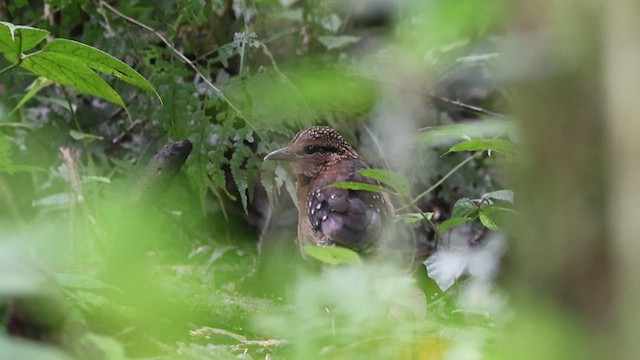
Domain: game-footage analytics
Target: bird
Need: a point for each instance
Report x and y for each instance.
(319, 156)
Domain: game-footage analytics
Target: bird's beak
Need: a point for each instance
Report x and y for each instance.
(283, 154)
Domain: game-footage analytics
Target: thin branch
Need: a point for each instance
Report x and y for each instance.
(124, 133)
(8, 68)
(444, 178)
(464, 106)
(442, 99)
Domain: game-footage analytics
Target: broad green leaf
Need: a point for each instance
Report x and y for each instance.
(395, 180)
(77, 135)
(333, 255)
(501, 195)
(10, 36)
(464, 207)
(414, 217)
(357, 186)
(453, 222)
(497, 145)
(67, 70)
(335, 42)
(100, 61)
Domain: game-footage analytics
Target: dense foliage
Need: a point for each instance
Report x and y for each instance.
(208, 268)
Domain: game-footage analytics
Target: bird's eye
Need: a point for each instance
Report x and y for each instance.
(311, 149)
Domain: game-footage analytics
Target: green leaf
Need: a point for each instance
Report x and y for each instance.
(357, 186)
(395, 180)
(77, 135)
(333, 255)
(497, 145)
(100, 61)
(487, 221)
(67, 70)
(453, 222)
(335, 42)
(10, 35)
(414, 217)
(464, 207)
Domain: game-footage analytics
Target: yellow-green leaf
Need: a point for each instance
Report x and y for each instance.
(99, 61)
(17, 38)
(497, 145)
(67, 70)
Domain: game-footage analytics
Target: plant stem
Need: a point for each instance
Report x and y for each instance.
(444, 178)
(7, 68)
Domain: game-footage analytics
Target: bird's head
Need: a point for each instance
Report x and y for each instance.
(313, 149)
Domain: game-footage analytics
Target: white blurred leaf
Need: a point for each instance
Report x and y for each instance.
(446, 266)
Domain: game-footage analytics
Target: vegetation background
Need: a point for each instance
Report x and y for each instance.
(466, 103)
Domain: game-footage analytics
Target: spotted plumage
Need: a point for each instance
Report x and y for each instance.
(319, 156)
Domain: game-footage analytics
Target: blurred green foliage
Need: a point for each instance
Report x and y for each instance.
(87, 272)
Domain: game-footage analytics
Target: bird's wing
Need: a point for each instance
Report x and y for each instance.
(352, 218)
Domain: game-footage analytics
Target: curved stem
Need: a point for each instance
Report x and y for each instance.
(8, 68)
(444, 178)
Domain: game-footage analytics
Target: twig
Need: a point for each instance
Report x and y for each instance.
(468, 107)
(442, 99)
(444, 178)
(131, 126)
